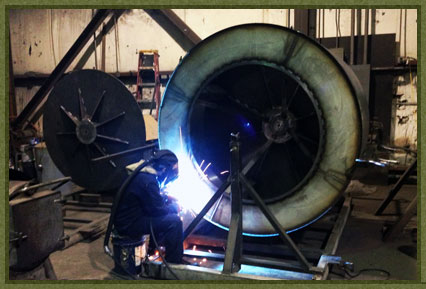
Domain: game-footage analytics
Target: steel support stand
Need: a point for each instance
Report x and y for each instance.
(395, 189)
(275, 224)
(233, 254)
(234, 248)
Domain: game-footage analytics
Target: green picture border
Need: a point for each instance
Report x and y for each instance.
(119, 4)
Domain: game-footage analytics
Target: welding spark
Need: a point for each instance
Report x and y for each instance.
(205, 169)
(224, 172)
(204, 260)
(210, 251)
(180, 137)
(201, 165)
(194, 248)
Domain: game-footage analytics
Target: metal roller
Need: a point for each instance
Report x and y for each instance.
(300, 113)
(90, 114)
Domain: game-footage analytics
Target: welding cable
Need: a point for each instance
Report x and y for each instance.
(367, 270)
(117, 199)
(159, 252)
(351, 276)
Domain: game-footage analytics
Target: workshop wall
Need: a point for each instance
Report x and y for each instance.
(41, 37)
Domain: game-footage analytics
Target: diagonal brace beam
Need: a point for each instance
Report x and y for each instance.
(175, 27)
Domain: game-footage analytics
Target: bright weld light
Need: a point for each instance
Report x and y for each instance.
(190, 188)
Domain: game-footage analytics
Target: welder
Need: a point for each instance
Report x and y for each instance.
(144, 207)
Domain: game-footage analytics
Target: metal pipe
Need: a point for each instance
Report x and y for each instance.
(103, 33)
(94, 43)
(288, 18)
(352, 48)
(358, 22)
(373, 21)
(400, 30)
(37, 186)
(30, 113)
(405, 33)
(318, 26)
(395, 189)
(110, 156)
(323, 23)
(12, 96)
(364, 61)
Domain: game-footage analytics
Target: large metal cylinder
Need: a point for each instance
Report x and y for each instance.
(299, 113)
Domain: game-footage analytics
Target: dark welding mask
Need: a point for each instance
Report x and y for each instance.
(165, 163)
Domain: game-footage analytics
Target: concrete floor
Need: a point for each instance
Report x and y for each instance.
(361, 243)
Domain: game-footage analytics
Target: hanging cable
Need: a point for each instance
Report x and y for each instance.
(338, 25)
(338, 32)
(117, 199)
(337, 29)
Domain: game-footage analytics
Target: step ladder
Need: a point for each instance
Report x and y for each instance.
(148, 76)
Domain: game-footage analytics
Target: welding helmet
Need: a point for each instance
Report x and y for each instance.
(165, 163)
